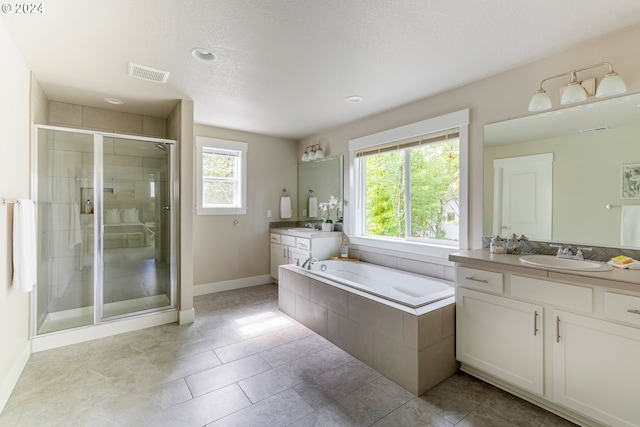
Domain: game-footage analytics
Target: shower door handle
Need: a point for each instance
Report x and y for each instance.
(166, 208)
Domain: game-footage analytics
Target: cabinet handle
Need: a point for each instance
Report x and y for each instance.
(284, 252)
(535, 323)
(475, 279)
(633, 310)
(557, 328)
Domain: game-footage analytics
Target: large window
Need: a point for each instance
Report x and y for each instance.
(221, 176)
(412, 189)
(409, 186)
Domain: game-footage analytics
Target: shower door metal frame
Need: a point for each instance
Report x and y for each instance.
(98, 221)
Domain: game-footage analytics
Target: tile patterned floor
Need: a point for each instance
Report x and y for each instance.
(242, 363)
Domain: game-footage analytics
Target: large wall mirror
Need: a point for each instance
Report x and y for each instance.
(591, 178)
(319, 179)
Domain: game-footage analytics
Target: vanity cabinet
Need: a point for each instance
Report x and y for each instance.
(291, 247)
(502, 337)
(595, 368)
(566, 342)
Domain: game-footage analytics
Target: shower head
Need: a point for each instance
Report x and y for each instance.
(161, 146)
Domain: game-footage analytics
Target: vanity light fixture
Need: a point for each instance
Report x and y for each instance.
(312, 152)
(611, 84)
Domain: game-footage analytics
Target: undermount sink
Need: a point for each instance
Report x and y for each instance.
(308, 230)
(565, 264)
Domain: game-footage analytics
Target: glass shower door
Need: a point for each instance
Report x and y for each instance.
(136, 226)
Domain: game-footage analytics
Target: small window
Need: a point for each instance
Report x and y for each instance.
(221, 176)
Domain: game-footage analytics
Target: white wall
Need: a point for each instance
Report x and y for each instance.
(14, 183)
(224, 252)
(494, 99)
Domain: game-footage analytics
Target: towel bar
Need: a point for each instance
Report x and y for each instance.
(4, 201)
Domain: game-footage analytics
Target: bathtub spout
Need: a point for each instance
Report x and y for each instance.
(308, 262)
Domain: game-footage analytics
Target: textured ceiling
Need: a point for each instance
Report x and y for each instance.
(285, 67)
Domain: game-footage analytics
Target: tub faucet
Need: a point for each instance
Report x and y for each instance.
(309, 261)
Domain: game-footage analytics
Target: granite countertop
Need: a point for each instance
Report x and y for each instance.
(618, 277)
(295, 231)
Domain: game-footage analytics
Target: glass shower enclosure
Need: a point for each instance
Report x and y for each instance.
(105, 227)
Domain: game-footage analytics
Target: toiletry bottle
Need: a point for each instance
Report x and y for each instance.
(344, 249)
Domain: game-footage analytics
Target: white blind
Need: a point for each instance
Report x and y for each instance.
(413, 142)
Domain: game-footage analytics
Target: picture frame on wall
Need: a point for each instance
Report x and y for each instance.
(630, 181)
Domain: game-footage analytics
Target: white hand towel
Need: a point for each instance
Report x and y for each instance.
(313, 207)
(24, 245)
(285, 207)
(630, 226)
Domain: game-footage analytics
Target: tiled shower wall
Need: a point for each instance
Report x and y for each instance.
(78, 116)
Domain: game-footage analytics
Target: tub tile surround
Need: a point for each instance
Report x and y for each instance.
(417, 352)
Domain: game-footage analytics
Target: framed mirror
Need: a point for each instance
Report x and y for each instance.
(594, 173)
(320, 179)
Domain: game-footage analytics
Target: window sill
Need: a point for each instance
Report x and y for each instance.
(221, 211)
(430, 250)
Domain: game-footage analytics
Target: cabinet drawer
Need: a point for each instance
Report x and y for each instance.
(288, 240)
(554, 293)
(625, 308)
(304, 244)
(479, 279)
(275, 238)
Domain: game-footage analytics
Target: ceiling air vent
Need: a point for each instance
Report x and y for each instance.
(145, 72)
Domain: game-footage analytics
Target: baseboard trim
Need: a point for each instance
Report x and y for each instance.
(186, 316)
(228, 285)
(10, 381)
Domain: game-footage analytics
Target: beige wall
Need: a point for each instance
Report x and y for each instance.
(496, 98)
(223, 251)
(14, 183)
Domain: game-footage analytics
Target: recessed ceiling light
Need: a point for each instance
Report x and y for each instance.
(114, 101)
(354, 99)
(203, 54)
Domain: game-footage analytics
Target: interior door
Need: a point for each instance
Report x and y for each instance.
(523, 196)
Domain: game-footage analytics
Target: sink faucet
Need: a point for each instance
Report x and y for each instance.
(310, 225)
(568, 253)
(309, 261)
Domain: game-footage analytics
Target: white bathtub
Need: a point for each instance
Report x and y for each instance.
(408, 289)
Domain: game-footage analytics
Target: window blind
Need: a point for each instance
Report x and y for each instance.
(413, 142)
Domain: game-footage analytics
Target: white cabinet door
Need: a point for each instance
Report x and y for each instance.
(596, 368)
(501, 337)
(279, 256)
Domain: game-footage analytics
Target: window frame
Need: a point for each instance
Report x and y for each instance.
(207, 144)
(456, 120)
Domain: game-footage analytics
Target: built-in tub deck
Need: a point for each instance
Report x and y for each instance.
(408, 336)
